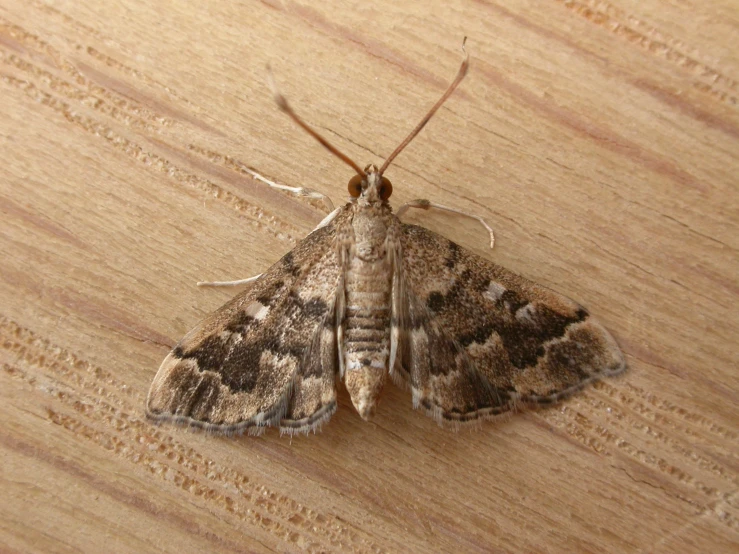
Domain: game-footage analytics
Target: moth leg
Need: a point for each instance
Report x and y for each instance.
(298, 191)
(328, 219)
(228, 283)
(427, 205)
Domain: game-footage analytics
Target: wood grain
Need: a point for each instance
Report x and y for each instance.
(601, 141)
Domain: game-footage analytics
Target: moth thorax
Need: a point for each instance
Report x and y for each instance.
(370, 234)
(365, 385)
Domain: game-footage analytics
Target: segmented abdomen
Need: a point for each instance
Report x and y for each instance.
(367, 317)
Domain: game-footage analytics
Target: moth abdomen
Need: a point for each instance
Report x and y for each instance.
(366, 334)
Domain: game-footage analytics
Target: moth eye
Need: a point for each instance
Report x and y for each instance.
(355, 186)
(386, 189)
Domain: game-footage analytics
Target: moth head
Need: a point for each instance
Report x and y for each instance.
(370, 186)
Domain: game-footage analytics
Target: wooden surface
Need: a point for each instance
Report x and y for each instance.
(600, 140)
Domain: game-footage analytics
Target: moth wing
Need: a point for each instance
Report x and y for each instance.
(266, 358)
(475, 340)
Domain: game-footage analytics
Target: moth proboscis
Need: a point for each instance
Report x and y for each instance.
(363, 296)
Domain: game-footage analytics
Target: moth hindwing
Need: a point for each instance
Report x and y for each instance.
(365, 296)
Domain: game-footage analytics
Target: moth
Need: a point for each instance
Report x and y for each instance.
(365, 296)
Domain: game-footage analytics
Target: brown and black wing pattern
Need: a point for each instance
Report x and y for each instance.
(475, 340)
(266, 358)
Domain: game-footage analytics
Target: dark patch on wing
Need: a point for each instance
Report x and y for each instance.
(289, 265)
(240, 323)
(315, 307)
(237, 365)
(436, 301)
(511, 301)
(237, 360)
(479, 334)
(453, 256)
(266, 298)
(523, 340)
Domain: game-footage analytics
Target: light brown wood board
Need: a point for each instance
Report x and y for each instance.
(599, 139)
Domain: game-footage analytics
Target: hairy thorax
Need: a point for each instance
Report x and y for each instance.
(366, 326)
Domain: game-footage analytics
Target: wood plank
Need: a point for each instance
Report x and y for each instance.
(600, 140)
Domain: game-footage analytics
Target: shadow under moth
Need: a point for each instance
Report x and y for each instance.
(365, 296)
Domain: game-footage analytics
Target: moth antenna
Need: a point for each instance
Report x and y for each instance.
(458, 79)
(285, 107)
